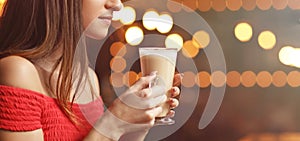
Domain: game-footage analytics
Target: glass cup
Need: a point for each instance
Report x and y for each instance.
(162, 60)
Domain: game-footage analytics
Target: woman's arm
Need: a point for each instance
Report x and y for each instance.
(36, 135)
(19, 72)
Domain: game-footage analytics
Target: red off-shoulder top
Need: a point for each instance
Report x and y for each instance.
(26, 110)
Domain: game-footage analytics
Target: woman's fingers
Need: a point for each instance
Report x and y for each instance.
(152, 92)
(174, 91)
(173, 102)
(171, 114)
(177, 79)
(137, 102)
(143, 82)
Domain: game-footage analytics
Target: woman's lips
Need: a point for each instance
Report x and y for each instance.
(106, 19)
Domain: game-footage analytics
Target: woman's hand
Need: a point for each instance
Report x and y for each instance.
(174, 92)
(135, 110)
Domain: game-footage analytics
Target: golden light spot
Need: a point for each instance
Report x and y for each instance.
(286, 55)
(150, 20)
(126, 15)
(234, 5)
(189, 50)
(118, 49)
(174, 6)
(249, 4)
(201, 39)
(174, 41)
(248, 78)
(140, 74)
(294, 4)
(189, 5)
(267, 40)
(295, 57)
(280, 4)
(218, 5)
(116, 79)
(285, 136)
(134, 35)
(130, 78)
(1, 6)
(264, 79)
(243, 31)
(279, 78)
(264, 4)
(233, 79)
(118, 64)
(188, 79)
(218, 79)
(203, 79)
(289, 136)
(165, 23)
(293, 78)
(204, 5)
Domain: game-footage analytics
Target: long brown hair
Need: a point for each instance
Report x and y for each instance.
(34, 29)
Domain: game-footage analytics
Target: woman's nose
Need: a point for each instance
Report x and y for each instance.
(115, 5)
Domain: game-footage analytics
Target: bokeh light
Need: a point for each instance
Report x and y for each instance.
(279, 78)
(290, 56)
(174, 7)
(118, 49)
(130, 78)
(201, 39)
(118, 64)
(280, 4)
(294, 4)
(174, 41)
(134, 35)
(264, 4)
(248, 78)
(284, 136)
(203, 79)
(234, 5)
(116, 79)
(189, 50)
(188, 79)
(264, 79)
(267, 40)
(150, 20)
(219, 5)
(243, 31)
(165, 23)
(233, 79)
(1, 6)
(218, 78)
(189, 5)
(293, 78)
(126, 15)
(204, 5)
(249, 4)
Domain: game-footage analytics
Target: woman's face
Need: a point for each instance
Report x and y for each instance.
(97, 16)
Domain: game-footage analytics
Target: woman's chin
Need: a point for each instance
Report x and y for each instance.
(96, 35)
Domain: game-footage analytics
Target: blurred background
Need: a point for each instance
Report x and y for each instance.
(260, 42)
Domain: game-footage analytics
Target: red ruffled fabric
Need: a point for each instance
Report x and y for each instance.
(26, 110)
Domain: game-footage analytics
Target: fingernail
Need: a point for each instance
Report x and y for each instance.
(171, 100)
(174, 90)
(181, 75)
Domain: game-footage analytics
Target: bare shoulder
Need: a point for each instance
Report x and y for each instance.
(19, 72)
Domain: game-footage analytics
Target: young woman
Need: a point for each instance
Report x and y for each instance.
(41, 79)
